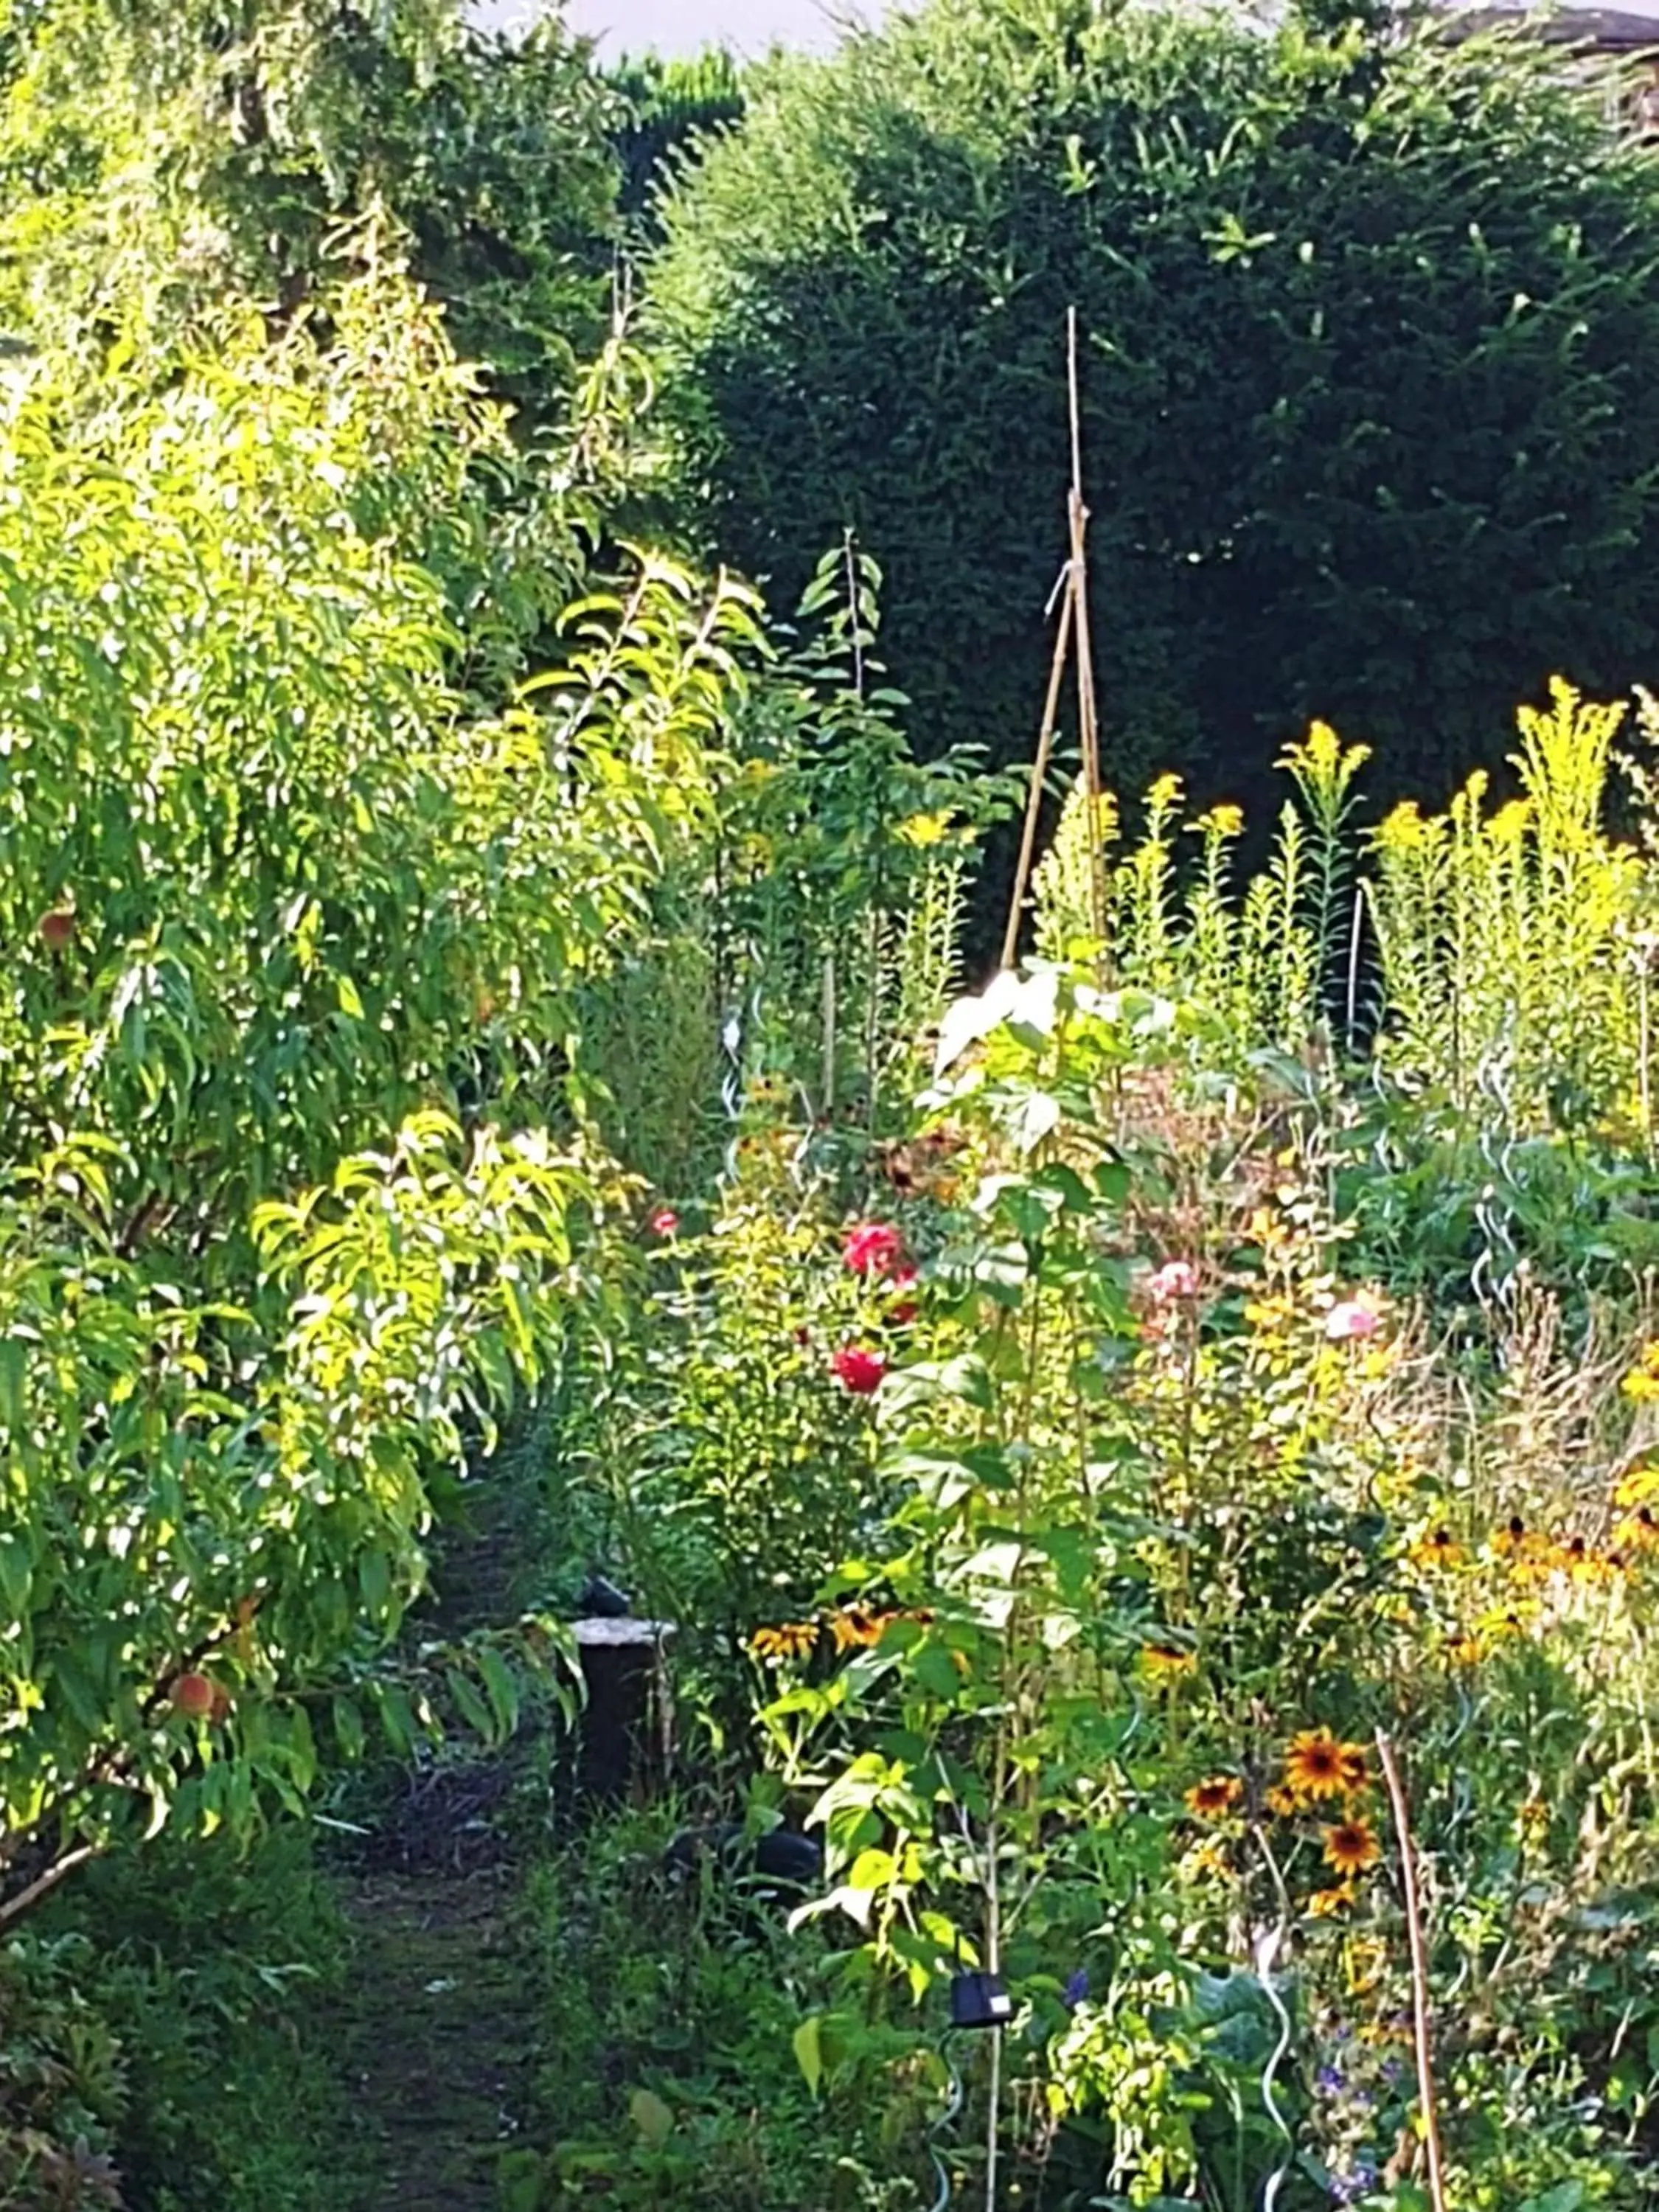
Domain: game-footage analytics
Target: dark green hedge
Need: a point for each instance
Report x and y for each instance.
(1372, 369)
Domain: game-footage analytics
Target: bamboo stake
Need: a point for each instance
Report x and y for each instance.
(1419, 1972)
(1073, 631)
(1039, 769)
(1088, 719)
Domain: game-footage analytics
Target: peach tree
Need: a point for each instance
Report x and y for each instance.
(294, 1189)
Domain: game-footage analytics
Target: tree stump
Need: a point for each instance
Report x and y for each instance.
(625, 1738)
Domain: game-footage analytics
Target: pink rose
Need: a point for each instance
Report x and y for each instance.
(858, 1370)
(873, 1248)
(1351, 1320)
(664, 1221)
(1176, 1278)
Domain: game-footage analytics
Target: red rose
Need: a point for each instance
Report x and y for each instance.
(873, 1248)
(858, 1370)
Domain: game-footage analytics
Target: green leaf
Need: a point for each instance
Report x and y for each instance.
(651, 2118)
(807, 2045)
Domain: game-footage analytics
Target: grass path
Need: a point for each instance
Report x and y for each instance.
(439, 2027)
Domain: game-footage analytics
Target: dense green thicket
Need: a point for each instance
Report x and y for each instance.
(1365, 430)
(670, 103)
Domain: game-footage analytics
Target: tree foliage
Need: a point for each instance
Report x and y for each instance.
(1364, 431)
(671, 103)
(293, 1187)
(154, 159)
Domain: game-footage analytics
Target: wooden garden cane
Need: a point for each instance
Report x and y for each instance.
(1073, 626)
(1419, 1972)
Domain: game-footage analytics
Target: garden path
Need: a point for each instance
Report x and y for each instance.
(439, 2031)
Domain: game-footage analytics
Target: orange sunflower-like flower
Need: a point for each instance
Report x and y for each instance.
(1326, 1904)
(1215, 1795)
(1351, 1846)
(1314, 1765)
(788, 1639)
(1166, 1663)
(1283, 1802)
(1464, 1650)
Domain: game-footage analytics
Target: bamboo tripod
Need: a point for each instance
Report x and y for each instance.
(1071, 638)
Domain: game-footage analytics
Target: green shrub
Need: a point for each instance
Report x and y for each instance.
(1364, 436)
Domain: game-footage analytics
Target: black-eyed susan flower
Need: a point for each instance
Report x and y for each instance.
(1438, 1549)
(855, 1628)
(1351, 1846)
(1640, 1486)
(1532, 1819)
(1313, 1766)
(1356, 1772)
(1500, 1622)
(1584, 1566)
(1282, 1802)
(1205, 1862)
(1166, 1663)
(1464, 1650)
(1326, 1904)
(1217, 1794)
(1639, 1532)
(788, 1639)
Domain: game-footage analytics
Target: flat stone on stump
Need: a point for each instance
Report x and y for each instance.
(625, 1742)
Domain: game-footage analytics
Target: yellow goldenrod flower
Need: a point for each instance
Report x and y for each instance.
(1351, 1846)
